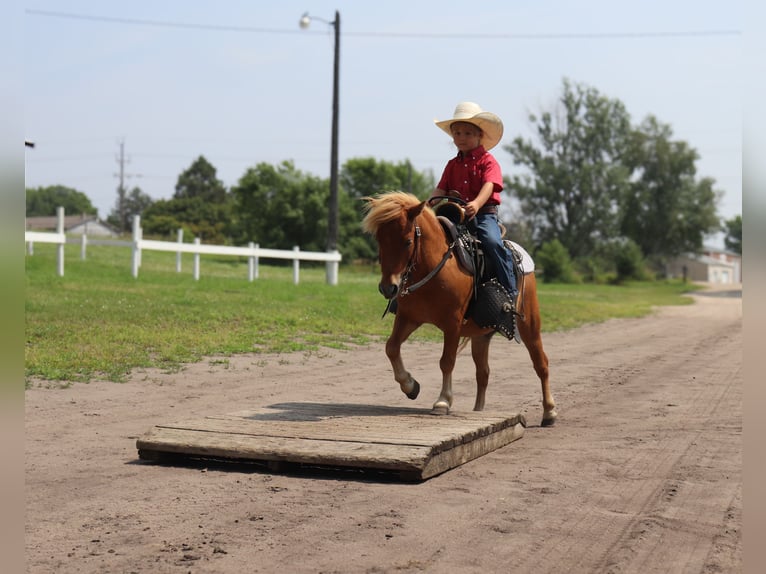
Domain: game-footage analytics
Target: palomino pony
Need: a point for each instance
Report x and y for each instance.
(419, 268)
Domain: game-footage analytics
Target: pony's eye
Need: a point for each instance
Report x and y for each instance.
(408, 242)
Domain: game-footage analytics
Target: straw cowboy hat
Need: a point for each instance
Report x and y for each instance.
(490, 124)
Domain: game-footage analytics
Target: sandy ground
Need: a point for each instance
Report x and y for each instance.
(641, 473)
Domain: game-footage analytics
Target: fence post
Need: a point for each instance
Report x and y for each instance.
(250, 262)
(257, 260)
(178, 253)
(60, 248)
(83, 246)
(332, 270)
(136, 244)
(296, 265)
(196, 260)
(30, 247)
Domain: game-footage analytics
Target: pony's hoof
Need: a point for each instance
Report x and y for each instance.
(548, 422)
(440, 409)
(413, 394)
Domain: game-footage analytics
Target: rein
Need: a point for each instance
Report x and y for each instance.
(411, 265)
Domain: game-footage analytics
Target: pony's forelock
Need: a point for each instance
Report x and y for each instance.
(385, 207)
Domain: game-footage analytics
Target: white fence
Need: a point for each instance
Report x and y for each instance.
(30, 237)
(253, 251)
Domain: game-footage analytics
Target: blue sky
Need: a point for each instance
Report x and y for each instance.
(240, 83)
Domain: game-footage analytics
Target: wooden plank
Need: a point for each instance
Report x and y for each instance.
(411, 442)
(452, 458)
(328, 453)
(444, 433)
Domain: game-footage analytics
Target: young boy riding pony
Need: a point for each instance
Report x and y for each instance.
(475, 177)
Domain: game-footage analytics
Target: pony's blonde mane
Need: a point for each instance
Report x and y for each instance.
(385, 207)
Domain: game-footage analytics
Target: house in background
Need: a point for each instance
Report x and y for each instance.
(84, 224)
(716, 266)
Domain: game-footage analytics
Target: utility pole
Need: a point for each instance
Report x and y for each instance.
(122, 208)
(121, 187)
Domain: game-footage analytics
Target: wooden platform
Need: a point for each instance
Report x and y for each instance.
(410, 443)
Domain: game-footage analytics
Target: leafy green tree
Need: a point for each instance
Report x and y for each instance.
(575, 174)
(280, 207)
(666, 210)
(134, 203)
(199, 180)
(196, 216)
(43, 201)
(363, 177)
(733, 238)
(200, 206)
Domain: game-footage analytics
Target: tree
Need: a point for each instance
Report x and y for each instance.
(362, 177)
(280, 207)
(199, 180)
(200, 206)
(733, 238)
(43, 201)
(211, 222)
(133, 203)
(576, 177)
(666, 210)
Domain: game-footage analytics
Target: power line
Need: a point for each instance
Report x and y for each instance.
(415, 35)
(160, 23)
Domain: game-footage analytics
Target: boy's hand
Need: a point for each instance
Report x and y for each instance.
(471, 209)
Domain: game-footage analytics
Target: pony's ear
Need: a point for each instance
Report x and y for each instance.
(415, 210)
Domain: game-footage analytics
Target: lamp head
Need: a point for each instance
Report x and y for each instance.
(305, 21)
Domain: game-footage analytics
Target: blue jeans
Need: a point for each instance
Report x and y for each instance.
(498, 256)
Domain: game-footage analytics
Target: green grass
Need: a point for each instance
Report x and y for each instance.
(99, 322)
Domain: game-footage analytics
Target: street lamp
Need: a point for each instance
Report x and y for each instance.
(332, 225)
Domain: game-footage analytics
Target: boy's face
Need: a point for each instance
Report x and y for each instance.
(466, 136)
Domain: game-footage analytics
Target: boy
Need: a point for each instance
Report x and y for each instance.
(476, 176)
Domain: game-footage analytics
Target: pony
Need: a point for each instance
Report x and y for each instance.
(419, 269)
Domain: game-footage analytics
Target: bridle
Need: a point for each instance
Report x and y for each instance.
(406, 290)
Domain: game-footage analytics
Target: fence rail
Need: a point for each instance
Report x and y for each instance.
(253, 251)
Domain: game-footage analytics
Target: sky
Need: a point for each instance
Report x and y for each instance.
(239, 82)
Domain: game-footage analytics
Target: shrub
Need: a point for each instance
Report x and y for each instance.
(628, 261)
(555, 262)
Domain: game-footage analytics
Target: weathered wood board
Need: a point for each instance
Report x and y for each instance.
(410, 443)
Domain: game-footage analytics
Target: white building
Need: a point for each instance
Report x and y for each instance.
(716, 266)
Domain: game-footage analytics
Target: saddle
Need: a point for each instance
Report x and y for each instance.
(492, 305)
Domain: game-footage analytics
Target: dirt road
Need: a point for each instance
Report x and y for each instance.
(641, 474)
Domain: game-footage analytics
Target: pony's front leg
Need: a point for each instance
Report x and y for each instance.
(480, 354)
(447, 365)
(402, 330)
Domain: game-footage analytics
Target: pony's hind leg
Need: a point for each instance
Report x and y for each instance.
(534, 346)
(401, 331)
(540, 361)
(529, 329)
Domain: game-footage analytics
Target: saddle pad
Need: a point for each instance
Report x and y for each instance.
(527, 263)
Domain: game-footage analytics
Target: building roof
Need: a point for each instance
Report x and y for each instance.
(49, 222)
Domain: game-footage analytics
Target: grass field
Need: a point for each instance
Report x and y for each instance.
(99, 322)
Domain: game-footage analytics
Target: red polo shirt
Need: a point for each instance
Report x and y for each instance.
(466, 173)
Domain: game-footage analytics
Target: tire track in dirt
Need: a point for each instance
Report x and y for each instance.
(635, 508)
